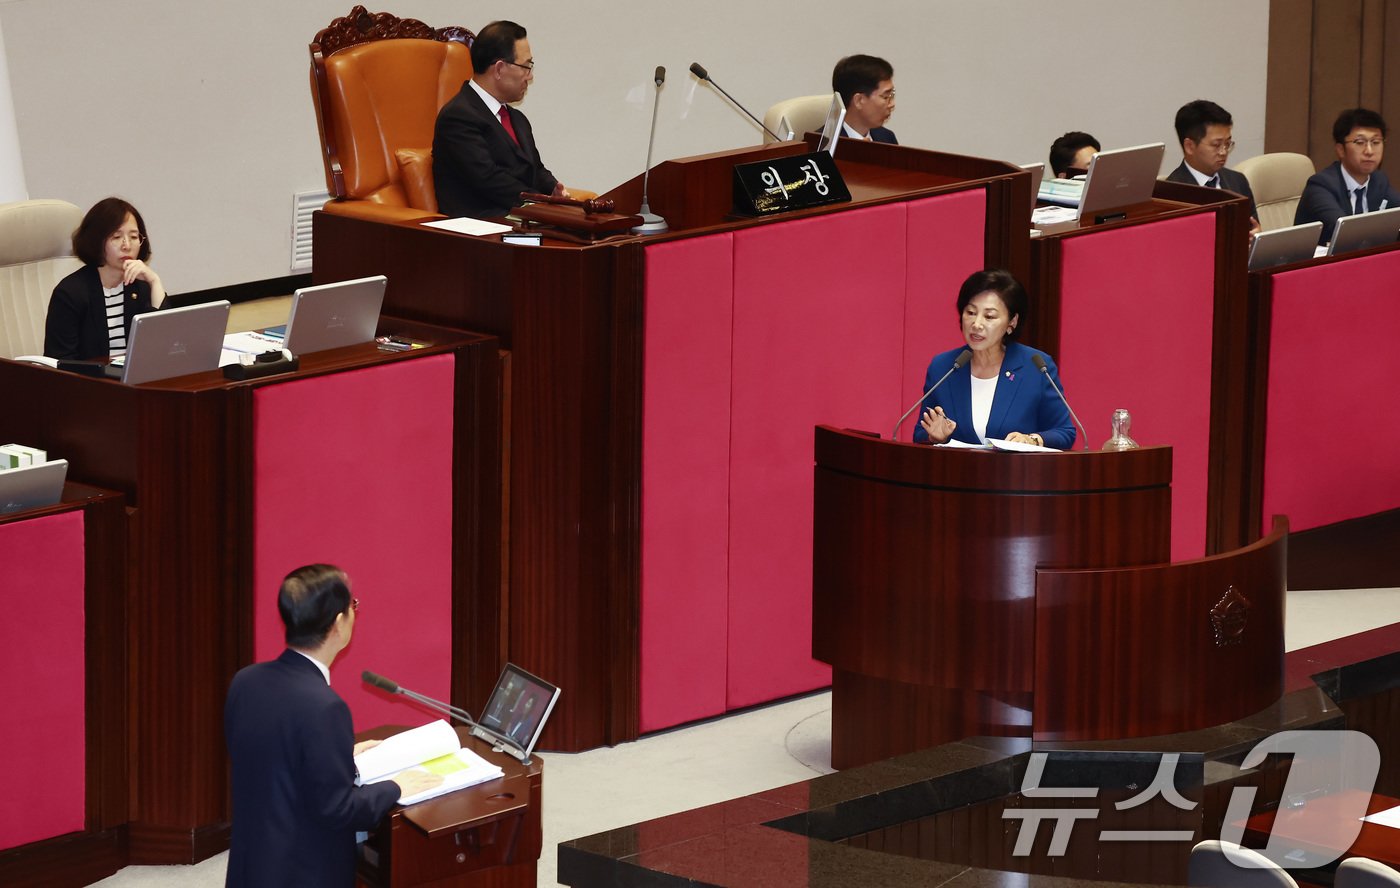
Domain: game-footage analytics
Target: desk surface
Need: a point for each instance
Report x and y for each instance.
(1375, 841)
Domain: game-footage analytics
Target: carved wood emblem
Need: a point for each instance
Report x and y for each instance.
(1228, 617)
(362, 26)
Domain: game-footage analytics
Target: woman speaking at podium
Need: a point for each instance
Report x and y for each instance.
(999, 393)
(91, 310)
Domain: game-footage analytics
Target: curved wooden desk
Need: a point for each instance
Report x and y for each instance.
(924, 572)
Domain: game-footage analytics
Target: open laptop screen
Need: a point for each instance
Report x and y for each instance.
(334, 315)
(518, 708)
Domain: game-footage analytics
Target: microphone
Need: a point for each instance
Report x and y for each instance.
(652, 223)
(699, 71)
(1040, 365)
(385, 684)
(961, 361)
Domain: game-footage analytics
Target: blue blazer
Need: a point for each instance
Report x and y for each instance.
(1326, 199)
(296, 808)
(880, 134)
(1024, 401)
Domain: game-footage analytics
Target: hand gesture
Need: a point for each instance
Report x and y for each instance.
(938, 426)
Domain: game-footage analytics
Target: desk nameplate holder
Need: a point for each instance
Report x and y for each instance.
(794, 182)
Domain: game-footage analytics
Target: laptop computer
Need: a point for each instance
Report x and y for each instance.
(1284, 245)
(1120, 178)
(1037, 171)
(334, 315)
(517, 710)
(1366, 230)
(174, 342)
(32, 486)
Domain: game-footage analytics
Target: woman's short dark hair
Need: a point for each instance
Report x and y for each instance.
(999, 281)
(310, 599)
(100, 223)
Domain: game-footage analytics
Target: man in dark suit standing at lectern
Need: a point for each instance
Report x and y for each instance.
(484, 151)
(866, 85)
(296, 807)
(1204, 130)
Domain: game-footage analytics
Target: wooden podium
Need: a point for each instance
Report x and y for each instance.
(924, 579)
(963, 593)
(484, 835)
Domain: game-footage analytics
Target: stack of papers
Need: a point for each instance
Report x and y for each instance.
(433, 748)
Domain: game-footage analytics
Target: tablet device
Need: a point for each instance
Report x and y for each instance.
(30, 487)
(517, 710)
(334, 315)
(1284, 245)
(1366, 230)
(174, 342)
(831, 130)
(1120, 178)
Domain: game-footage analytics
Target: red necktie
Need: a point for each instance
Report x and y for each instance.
(505, 121)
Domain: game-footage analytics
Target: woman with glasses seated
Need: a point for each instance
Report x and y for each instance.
(91, 310)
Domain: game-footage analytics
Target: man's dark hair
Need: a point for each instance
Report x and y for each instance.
(495, 43)
(310, 599)
(100, 223)
(859, 74)
(999, 281)
(1063, 149)
(1193, 118)
(1351, 118)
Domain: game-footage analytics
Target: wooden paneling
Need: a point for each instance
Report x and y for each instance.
(1325, 57)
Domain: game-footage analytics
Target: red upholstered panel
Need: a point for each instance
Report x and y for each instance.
(355, 469)
(1344, 468)
(43, 695)
(946, 243)
(1136, 333)
(685, 479)
(818, 338)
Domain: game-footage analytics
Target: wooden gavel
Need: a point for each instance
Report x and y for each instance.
(590, 206)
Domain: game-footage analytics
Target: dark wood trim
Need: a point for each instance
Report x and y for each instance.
(245, 292)
(69, 861)
(1354, 554)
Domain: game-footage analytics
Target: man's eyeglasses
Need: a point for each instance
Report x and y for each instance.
(528, 66)
(1361, 144)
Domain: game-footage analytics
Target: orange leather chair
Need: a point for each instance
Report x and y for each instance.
(378, 82)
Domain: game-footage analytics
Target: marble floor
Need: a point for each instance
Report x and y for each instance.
(782, 743)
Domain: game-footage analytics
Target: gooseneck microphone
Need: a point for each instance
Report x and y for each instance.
(652, 223)
(961, 361)
(699, 71)
(1040, 365)
(447, 709)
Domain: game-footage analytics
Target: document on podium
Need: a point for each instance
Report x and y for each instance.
(433, 748)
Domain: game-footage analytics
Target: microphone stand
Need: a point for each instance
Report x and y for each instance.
(499, 740)
(699, 71)
(652, 223)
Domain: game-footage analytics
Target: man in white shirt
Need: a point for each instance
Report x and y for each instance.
(866, 85)
(1354, 183)
(1204, 130)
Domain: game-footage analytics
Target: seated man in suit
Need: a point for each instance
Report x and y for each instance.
(296, 807)
(1354, 183)
(866, 85)
(1204, 129)
(1070, 154)
(484, 151)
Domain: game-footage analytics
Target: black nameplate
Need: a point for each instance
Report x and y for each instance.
(794, 182)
